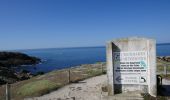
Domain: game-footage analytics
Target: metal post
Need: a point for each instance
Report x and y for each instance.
(8, 91)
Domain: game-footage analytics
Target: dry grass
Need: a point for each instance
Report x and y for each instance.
(161, 64)
(51, 81)
(37, 88)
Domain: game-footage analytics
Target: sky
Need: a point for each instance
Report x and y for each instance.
(30, 24)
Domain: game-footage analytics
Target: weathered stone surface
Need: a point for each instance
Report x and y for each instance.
(135, 44)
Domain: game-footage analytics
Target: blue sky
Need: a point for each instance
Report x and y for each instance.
(26, 24)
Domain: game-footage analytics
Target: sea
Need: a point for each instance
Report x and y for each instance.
(60, 58)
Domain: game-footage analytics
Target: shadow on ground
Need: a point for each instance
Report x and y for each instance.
(164, 90)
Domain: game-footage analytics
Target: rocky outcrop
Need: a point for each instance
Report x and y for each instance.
(8, 60)
(164, 58)
(7, 75)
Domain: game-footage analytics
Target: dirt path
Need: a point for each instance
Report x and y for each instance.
(89, 89)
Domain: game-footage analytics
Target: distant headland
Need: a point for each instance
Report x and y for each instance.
(9, 60)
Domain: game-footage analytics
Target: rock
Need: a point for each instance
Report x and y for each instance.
(7, 75)
(9, 59)
(167, 58)
(164, 58)
(15, 59)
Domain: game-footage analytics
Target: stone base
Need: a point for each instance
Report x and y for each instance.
(135, 95)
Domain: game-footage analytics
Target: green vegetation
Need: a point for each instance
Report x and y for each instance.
(161, 64)
(94, 72)
(161, 68)
(165, 76)
(37, 88)
(149, 97)
(42, 84)
(48, 82)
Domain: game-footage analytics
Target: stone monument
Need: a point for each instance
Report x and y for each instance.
(131, 66)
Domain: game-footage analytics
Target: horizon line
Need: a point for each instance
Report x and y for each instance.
(69, 47)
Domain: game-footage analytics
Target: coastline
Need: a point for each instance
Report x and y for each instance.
(51, 81)
(58, 78)
(11, 60)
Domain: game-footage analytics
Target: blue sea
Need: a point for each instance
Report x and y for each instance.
(59, 58)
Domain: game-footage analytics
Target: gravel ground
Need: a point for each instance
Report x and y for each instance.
(89, 89)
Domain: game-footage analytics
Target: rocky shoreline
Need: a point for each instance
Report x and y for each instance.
(164, 58)
(59, 78)
(9, 60)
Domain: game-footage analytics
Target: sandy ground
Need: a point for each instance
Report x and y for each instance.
(89, 89)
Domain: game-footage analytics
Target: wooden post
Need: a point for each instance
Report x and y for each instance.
(102, 68)
(8, 91)
(69, 76)
(165, 71)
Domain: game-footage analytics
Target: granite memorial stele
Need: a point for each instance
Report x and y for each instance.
(131, 65)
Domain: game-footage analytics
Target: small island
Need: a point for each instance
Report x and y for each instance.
(9, 60)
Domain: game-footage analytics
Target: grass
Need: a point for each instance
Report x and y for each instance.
(161, 68)
(149, 97)
(37, 88)
(165, 76)
(94, 72)
(161, 64)
(43, 84)
(48, 82)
